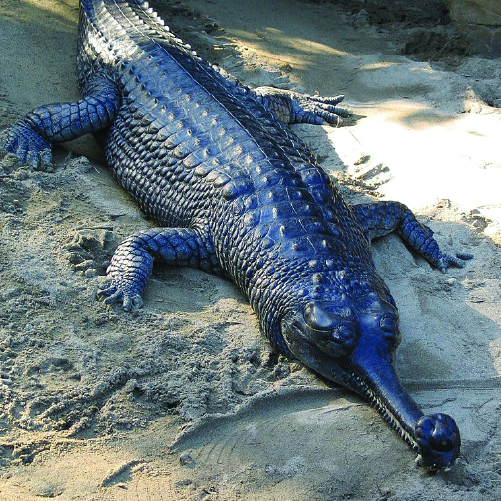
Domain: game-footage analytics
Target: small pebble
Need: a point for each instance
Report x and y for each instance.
(363, 160)
(186, 460)
(91, 273)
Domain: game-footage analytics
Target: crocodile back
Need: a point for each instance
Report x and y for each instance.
(197, 149)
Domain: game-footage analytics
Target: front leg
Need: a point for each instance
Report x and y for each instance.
(31, 138)
(294, 108)
(132, 263)
(380, 218)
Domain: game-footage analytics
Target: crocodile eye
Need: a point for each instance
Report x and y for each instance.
(333, 332)
(342, 331)
(318, 318)
(388, 324)
(344, 338)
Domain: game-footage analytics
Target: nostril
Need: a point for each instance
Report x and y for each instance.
(442, 445)
(441, 439)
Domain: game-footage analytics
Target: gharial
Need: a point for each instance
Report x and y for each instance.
(237, 193)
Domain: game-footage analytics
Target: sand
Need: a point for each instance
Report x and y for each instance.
(184, 399)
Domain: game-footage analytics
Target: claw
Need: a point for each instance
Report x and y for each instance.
(26, 145)
(457, 261)
(318, 110)
(114, 298)
(329, 105)
(292, 107)
(113, 292)
(107, 290)
(135, 302)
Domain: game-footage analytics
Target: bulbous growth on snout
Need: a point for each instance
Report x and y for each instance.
(439, 441)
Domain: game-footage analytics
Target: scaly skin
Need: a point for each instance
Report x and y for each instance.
(236, 193)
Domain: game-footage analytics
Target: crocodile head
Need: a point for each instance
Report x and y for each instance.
(352, 341)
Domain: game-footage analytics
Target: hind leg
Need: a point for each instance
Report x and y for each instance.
(380, 218)
(294, 108)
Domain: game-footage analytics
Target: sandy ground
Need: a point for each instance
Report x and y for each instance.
(184, 399)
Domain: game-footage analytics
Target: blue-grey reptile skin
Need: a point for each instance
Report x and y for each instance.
(236, 193)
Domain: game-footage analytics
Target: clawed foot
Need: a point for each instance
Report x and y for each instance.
(444, 262)
(128, 272)
(317, 110)
(116, 291)
(294, 108)
(21, 141)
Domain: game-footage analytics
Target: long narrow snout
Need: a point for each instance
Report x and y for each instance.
(435, 438)
(357, 349)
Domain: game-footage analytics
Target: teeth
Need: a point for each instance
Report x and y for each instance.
(419, 458)
(387, 415)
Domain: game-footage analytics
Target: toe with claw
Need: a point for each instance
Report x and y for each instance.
(458, 261)
(114, 291)
(294, 108)
(26, 145)
(318, 110)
